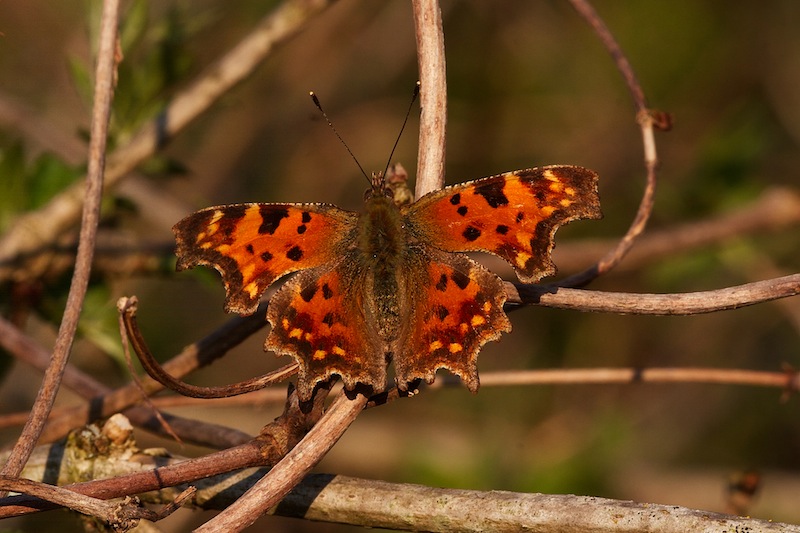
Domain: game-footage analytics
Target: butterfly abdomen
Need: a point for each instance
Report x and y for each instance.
(381, 244)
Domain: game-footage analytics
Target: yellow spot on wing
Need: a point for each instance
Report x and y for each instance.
(435, 345)
(521, 259)
(477, 320)
(319, 354)
(251, 289)
(565, 203)
(455, 347)
(296, 333)
(338, 350)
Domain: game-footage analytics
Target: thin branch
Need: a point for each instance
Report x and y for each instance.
(36, 230)
(127, 309)
(104, 402)
(433, 97)
(777, 208)
(284, 476)
(105, 78)
(690, 303)
(788, 380)
(275, 440)
(646, 119)
(120, 515)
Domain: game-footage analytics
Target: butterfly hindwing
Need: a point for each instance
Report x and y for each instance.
(318, 319)
(458, 309)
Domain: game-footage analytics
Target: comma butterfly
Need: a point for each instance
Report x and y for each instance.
(388, 284)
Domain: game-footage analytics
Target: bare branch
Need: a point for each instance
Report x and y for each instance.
(127, 309)
(418, 508)
(646, 119)
(105, 79)
(788, 380)
(105, 402)
(690, 303)
(37, 229)
(270, 489)
(777, 208)
(433, 97)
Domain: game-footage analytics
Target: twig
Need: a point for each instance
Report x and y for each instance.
(275, 440)
(105, 402)
(120, 515)
(646, 120)
(433, 96)
(270, 489)
(37, 229)
(103, 94)
(690, 303)
(127, 309)
(777, 208)
(788, 380)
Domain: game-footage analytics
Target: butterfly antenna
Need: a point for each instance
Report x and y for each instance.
(403, 127)
(325, 116)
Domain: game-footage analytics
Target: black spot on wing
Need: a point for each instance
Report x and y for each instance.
(301, 229)
(228, 223)
(455, 199)
(327, 293)
(460, 279)
(471, 233)
(295, 253)
(306, 217)
(266, 256)
(441, 312)
(441, 285)
(250, 249)
(271, 218)
(502, 229)
(462, 210)
(308, 292)
(492, 192)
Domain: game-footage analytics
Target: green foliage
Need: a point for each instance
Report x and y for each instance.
(27, 185)
(156, 59)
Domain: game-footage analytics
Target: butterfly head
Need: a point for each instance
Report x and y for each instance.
(378, 187)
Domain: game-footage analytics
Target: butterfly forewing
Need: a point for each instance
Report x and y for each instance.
(252, 245)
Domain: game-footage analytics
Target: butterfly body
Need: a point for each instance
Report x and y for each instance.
(388, 284)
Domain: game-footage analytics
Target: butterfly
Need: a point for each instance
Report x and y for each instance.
(390, 284)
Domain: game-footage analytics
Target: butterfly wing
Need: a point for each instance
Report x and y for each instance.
(513, 215)
(317, 317)
(252, 245)
(457, 308)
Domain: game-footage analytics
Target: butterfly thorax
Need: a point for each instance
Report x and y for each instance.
(381, 244)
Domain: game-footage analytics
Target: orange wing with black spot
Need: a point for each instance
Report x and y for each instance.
(457, 308)
(318, 318)
(513, 215)
(252, 245)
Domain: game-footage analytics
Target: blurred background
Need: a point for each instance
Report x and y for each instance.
(529, 84)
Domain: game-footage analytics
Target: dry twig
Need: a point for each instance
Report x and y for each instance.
(105, 78)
